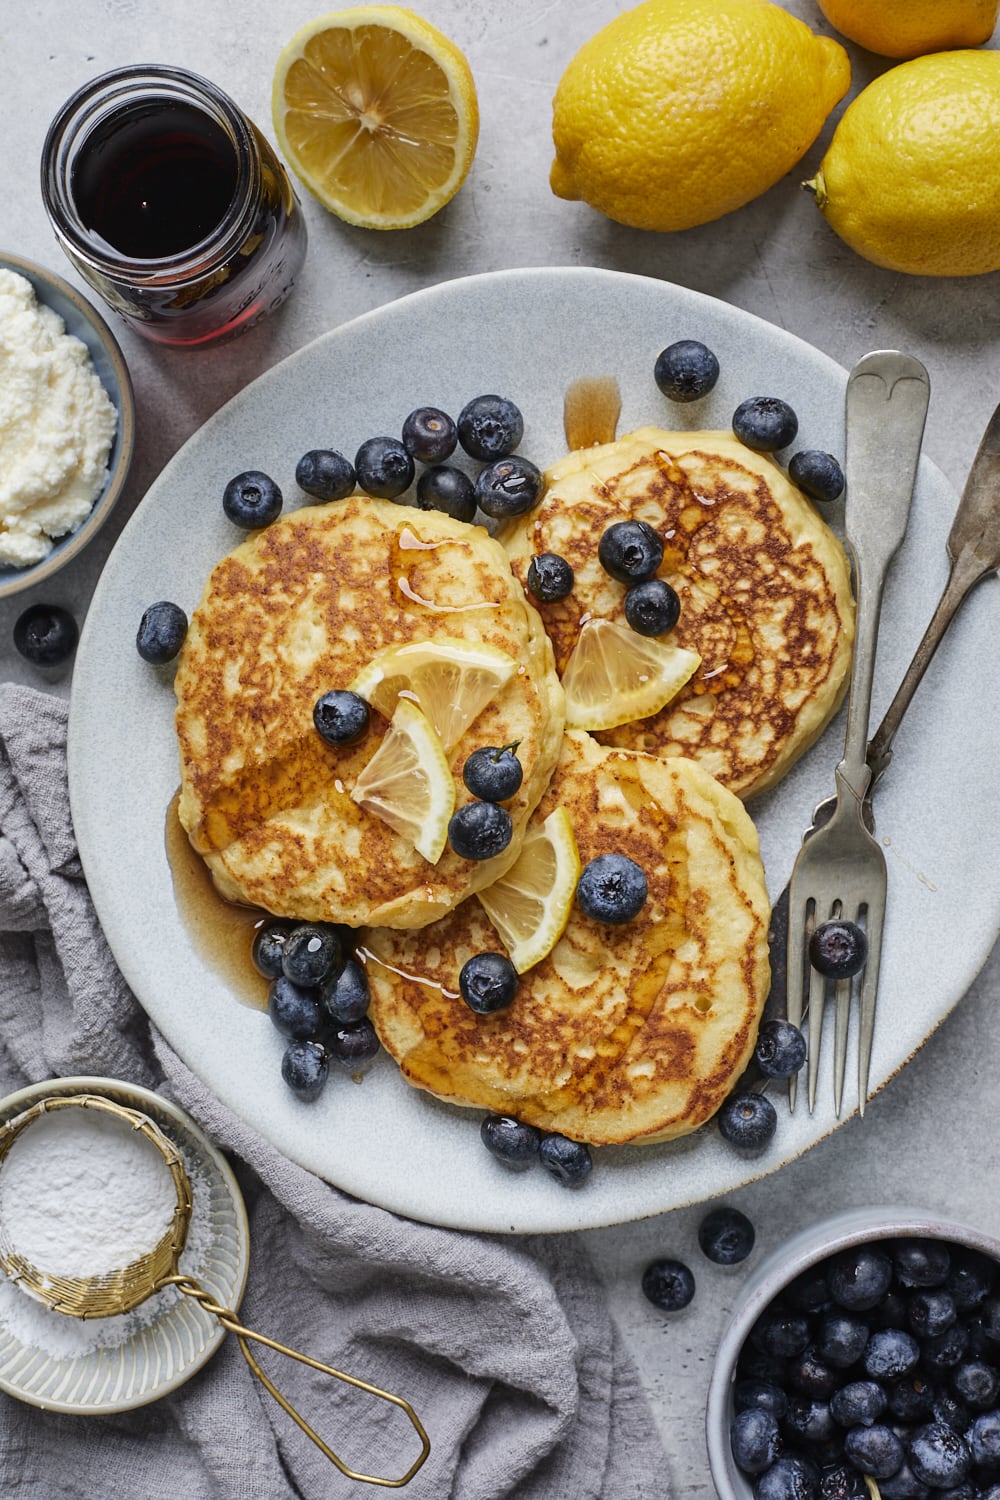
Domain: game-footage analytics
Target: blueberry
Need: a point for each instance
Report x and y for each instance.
(344, 994)
(668, 1284)
(938, 1456)
(809, 1291)
(755, 1439)
(46, 634)
(969, 1279)
(858, 1404)
(760, 1393)
(268, 946)
(765, 423)
(753, 1365)
(726, 1236)
(612, 889)
(252, 500)
(790, 1477)
(904, 1485)
(686, 370)
(976, 1383)
(487, 982)
(569, 1162)
(311, 953)
(630, 551)
(930, 1310)
(983, 1438)
(875, 1450)
(305, 1068)
(293, 1009)
(480, 830)
(890, 1352)
(943, 1351)
(161, 632)
(780, 1332)
(889, 1311)
(510, 1141)
(448, 490)
(841, 1481)
(989, 1320)
(860, 1277)
(509, 487)
(780, 1049)
(947, 1408)
(841, 1338)
(490, 427)
(921, 1262)
(816, 474)
(838, 949)
(353, 1043)
(809, 1373)
(429, 435)
(493, 772)
(747, 1120)
(810, 1422)
(550, 577)
(909, 1398)
(652, 607)
(341, 717)
(325, 474)
(383, 467)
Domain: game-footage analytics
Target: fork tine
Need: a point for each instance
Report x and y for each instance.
(869, 992)
(842, 1000)
(794, 973)
(817, 1004)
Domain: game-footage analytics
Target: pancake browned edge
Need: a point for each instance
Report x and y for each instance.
(296, 610)
(631, 1033)
(764, 586)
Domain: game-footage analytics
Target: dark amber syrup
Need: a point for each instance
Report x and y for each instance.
(591, 408)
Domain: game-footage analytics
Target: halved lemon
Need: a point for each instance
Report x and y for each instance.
(615, 675)
(530, 905)
(376, 111)
(408, 782)
(451, 680)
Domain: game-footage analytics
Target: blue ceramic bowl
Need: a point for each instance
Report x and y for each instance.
(86, 324)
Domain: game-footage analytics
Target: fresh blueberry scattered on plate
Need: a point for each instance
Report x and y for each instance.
(429, 435)
(510, 1141)
(345, 994)
(668, 1284)
(383, 467)
(630, 551)
(612, 889)
(490, 427)
(46, 634)
(652, 607)
(480, 830)
(311, 953)
(508, 487)
(550, 577)
(747, 1120)
(252, 500)
(487, 982)
(293, 1009)
(161, 632)
(269, 945)
(341, 717)
(781, 1048)
(493, 772)
(353, 1043)
(448, 490)
(686, 370)
(765, 423)
(726, 1236)
(838, 949)
(325, 474)
(305, 1067)
(817, 475)
(569, 1162)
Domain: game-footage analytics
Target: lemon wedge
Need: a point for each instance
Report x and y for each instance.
(530, 905)
(375, 111)
(451, 680)
(615, 675)
(408, 782)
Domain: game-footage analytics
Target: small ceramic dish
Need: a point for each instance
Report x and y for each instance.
(86, 324)
(100, 1365)
(818, 1242)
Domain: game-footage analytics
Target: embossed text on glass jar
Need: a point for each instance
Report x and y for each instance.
(172, 205)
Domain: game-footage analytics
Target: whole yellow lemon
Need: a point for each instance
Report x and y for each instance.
(909, 28)
(912, 176)
(680, 111)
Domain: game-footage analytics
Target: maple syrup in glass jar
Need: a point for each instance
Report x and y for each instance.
(172, 205)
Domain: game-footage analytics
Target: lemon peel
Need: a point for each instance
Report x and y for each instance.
(530, 904)
(614, 675)
(909, 28)
(451, 680)
(408, 783)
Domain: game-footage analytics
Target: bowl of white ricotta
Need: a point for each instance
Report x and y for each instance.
(67, 423)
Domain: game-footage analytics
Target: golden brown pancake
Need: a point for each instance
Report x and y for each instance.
(764, 586)
(631, 1033)
(295, 611)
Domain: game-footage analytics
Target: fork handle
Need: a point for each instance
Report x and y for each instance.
(887, 397)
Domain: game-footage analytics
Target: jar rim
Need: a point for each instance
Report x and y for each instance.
(94, 103)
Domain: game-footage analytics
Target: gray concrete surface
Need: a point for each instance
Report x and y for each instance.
(932, 1138)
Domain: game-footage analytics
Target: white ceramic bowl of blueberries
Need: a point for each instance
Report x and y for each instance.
(863, 1361)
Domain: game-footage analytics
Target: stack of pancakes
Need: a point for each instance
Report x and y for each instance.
(622, 1034)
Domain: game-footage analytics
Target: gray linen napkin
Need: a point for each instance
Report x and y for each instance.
(504, 1346)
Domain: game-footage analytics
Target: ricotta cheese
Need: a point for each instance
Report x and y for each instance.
(57, 423)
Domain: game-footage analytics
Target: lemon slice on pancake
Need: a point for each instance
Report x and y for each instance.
(531, 904)
(375, 111)
(615, 675)
(451, 680)
(408, 782)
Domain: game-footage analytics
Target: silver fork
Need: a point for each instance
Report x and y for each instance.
(840, 870)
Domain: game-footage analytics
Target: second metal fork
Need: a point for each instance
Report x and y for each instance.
(840, 870)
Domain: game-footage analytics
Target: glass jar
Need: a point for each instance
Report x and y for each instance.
(172, 205)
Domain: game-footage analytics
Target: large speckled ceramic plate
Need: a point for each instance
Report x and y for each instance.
(527, 334)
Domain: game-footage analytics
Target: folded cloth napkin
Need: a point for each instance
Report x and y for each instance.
(504, 1346)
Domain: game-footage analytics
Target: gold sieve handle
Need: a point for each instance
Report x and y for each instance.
(228, 1319)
